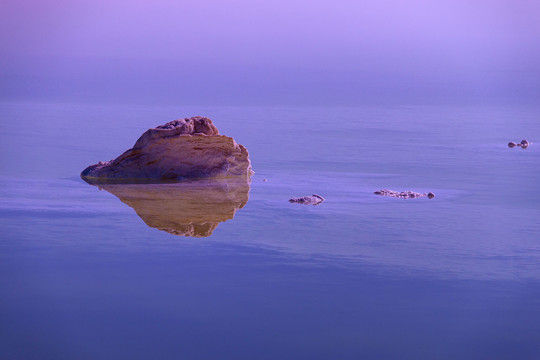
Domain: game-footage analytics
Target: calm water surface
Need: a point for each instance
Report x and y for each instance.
(87, 274)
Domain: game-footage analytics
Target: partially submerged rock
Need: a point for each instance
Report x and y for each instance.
(308, 200)
(523, 144)
(180, 149)
(186, 209)
(404, 194)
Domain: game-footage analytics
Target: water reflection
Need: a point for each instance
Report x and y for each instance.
(186, 209)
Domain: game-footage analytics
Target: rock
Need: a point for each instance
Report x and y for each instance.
(308, 200)
(180, 149)
(192, 209)
(403, 194)
(523, 144)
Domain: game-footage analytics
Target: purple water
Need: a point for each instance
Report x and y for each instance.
(359, 276)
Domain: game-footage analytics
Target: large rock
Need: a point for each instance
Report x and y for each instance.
(180, 149)
(186, 209)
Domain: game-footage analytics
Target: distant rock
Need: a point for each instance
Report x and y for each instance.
(523, 144)
(180, 149)
(403, 194)
(308, 200)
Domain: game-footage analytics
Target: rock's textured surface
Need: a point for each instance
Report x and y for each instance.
(186, 209)
(403, 194)
(308, 200)
(184, 148)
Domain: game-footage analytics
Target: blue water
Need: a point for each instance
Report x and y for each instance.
(82, 275)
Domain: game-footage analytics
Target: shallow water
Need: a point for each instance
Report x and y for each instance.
(83, 276)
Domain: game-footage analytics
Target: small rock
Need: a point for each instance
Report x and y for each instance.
(308, 200)
(403, 194)
(523, 144)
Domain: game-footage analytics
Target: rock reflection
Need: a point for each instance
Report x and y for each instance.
(186, 209)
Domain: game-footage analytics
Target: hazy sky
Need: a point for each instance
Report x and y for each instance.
(294, 51)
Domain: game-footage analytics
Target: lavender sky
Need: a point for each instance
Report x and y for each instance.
(245, 52)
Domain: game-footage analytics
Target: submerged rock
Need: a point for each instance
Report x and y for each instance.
(308, 200)
(192, 209)
(184, 148)
(403, 194)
